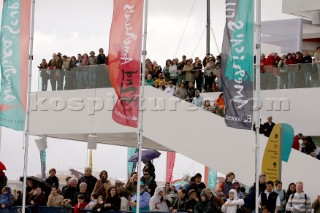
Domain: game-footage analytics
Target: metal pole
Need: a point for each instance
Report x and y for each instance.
(208, 27)
(141, 99)
(26, 132)
(257, 103)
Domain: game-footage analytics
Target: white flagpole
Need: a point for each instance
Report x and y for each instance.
(26, 132)
(141, 99)
(257, 103)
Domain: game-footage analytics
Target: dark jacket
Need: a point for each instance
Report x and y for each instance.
(3, 181)
(102, 59)
(191, 92)
(268, 128)
(204, 207)
(199, 187)
(90, 181)
(38, 200)
(179, 205)
(226, 187)
(190, 204)
(270, 202)
(115, 203)
(69, 193)
(53, 181)
(150, 185)
(216, 202)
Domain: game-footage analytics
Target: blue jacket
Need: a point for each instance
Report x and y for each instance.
(144, 202)
(7, 199)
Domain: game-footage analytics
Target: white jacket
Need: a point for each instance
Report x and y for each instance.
(124, 205)
(155, 203)
(234, 204)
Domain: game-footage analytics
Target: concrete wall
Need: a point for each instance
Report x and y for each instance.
(195, 133)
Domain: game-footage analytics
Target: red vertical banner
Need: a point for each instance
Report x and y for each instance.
(206, 175)
(124, 59)
(171, 158)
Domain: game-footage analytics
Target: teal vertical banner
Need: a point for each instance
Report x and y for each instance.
(237, 63)
(43, 158)
(130, 167)
(14, 62)
(287, 135)
(212, 178)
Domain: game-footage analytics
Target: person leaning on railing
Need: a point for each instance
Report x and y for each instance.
(44, 75)
(58, 71)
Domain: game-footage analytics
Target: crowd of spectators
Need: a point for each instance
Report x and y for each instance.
(294, 70)
(59, 71)
(100, 195)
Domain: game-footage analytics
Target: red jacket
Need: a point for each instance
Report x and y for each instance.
(78, 209)
(295, 144)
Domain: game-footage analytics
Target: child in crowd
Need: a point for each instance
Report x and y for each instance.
(80, 205)
(6, 198)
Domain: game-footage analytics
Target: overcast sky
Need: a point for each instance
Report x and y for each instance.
(78, 26)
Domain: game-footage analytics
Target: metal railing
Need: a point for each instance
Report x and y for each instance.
(79, 77)
(97, 76)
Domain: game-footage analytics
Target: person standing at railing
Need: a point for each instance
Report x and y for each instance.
(73, 66)
(85, 71)
(268, 79)
(283, 72)
(101, 74)
(300, 71)
(275, 72)
(209, 74)
(59, 71)
(188, 70)
(92, 72)
(43, 74)
(165, 70)
(317, 62)
(79, 73)
(181, 71)
(307, 68)
(173, 72)
(67, 71)
(53, 76)
(197, 67)
(292, 68)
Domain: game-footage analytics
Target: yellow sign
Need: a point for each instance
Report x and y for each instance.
(271, 164)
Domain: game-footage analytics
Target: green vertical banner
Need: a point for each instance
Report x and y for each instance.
(237, 63)
(43, 158)
(14, 48)
(212, 178)
(130, 165)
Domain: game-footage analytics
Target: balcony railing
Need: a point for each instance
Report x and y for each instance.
(97, 76)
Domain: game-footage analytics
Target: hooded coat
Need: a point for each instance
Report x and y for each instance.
(204, 206)
(231, 205)
(7, 199)
(157, 202)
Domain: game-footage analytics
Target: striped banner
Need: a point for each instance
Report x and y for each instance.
(237, 64)
(124, 59)
(15, 31)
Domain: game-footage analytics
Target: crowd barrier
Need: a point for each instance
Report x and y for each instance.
(45, 209)
(272, 77)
